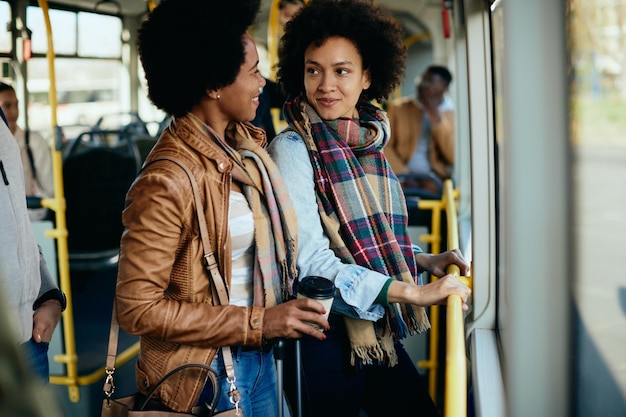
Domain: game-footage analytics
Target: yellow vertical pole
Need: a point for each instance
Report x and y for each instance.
(448, 203)
(57, 204)
(455, 399)
(273, 36)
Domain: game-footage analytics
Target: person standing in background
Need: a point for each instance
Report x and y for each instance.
(34, 153)
(29, 290)
(422, 130)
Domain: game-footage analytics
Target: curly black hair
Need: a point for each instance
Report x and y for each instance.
(187, 47)
(376, 34)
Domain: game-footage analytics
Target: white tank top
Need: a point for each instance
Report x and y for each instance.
(241, 227)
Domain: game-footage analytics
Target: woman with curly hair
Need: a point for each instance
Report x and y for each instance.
(205, 75)
(335, 57)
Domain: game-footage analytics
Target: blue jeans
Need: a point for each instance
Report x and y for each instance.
(332, 387)
(36, 355)
(255, 372)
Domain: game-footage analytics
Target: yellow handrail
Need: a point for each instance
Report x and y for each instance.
(273, 35)
(151, 5)
(455, 397)
(98, 374)
(274, 32)
(434, 239)
(57, 204)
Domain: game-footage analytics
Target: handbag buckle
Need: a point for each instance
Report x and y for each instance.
(109, 386)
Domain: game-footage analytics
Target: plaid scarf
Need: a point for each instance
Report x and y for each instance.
(275, 224)
(364, 214)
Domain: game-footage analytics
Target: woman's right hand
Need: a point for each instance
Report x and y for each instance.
(437, 292)
(289, 319)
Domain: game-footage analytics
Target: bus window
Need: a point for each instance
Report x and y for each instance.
(63, 30)
(83, 34)
(89, 69)
(86, 90)
(5, 35)
(99, 35)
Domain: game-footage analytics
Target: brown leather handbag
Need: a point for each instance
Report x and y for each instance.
(136, 405)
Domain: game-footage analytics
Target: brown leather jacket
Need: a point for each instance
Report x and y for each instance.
(405, 121)
(163, 292)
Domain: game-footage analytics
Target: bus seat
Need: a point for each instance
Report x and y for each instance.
(96, 180)
(144, 146)
(424, 185)
(130, 122)
(163, 125)
(414, 191)
(71, 131)
(96, 138)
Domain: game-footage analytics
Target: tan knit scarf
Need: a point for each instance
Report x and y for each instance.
(275, 221)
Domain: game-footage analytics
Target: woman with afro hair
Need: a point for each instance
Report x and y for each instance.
(335, 58)
(204, 74)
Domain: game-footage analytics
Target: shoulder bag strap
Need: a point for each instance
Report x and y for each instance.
(218, 283)
(217, 280)
(109, 386)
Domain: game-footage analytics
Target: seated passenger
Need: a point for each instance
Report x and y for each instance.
(422, 130)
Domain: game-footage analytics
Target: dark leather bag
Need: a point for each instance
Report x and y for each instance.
(137, 405)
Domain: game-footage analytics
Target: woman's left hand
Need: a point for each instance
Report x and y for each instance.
(437, 265)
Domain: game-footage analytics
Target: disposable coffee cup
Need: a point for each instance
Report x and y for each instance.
(319, 289)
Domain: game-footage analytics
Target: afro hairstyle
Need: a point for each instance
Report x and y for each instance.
(374, 31)
(187, 47)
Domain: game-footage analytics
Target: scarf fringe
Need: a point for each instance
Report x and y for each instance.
(366, 354)
(380, 351)
(389, 349)
(420, 322)
(415, 320)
